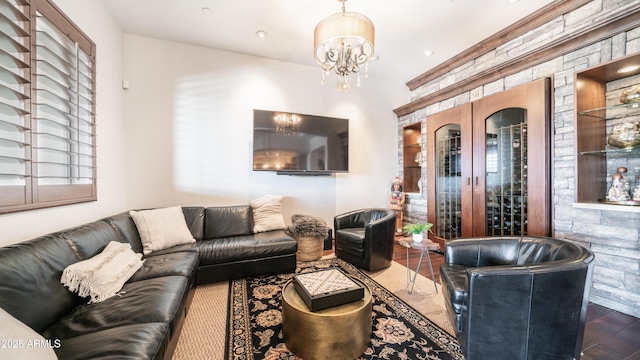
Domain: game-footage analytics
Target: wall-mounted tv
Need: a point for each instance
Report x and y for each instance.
(299, 144)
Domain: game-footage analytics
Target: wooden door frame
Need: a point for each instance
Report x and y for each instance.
(460, 115)
(535, 97)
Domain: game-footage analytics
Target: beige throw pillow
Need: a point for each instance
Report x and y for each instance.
(21, 342)
(103, 275)
(267, 213)
(162, 228)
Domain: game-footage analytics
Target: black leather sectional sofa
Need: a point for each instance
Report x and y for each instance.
(145, 319)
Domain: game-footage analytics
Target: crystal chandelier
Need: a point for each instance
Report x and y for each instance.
(287, 124)
(343, 42)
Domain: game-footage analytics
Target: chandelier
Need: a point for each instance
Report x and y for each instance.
(343, 42)
(287, 124)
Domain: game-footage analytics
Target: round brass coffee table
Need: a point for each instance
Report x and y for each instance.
(339, 332)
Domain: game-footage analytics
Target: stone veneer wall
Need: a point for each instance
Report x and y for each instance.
(612, 232)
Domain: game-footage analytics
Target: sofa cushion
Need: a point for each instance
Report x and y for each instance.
(15, 337)
(30, 288)
(226, 249)
(267, 213)
(152, 300)
(224, 221)
(194, 217)
(161, 228)
(124, 225)
(136, 341)
(274, 243)
(89, 239)
(181, 263)
(248, 247)
(103, 275)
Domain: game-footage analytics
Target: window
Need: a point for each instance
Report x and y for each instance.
(47, 108)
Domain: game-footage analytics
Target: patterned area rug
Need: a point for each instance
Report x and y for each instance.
(399, 331)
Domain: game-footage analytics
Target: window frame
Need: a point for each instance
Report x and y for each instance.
(32, 191)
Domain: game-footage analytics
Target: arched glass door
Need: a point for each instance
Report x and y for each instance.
(449, 147)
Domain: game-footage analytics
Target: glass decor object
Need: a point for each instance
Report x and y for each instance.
(617, 191)
(625, 179)
(625, 135)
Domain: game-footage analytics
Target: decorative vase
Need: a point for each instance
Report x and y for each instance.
(417, 237)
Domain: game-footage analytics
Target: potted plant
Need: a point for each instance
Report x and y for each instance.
(417, 229)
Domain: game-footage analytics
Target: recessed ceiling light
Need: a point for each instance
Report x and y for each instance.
(261, 34)
(429, 52)
(511, 1)
(628, 69)
(206, 10)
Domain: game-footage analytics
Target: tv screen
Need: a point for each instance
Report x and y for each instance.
(299, 143)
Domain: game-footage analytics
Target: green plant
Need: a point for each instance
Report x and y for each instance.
(417, 228)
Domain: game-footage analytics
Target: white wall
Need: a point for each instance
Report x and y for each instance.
(189, 116)
(182, 133)
(96, 22)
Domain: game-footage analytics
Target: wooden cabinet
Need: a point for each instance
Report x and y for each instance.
(597, 110)
(488, 166)
(412, 157)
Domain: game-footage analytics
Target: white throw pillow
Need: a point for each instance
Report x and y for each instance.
(21, 342)
(103, 275)
(267, 213)
(162, 228)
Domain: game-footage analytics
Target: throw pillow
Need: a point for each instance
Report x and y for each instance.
(267, 213)
(161, 228)
(21, 342)
(103, 275)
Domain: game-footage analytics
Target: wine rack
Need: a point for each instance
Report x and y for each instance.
(449, 186)
(506, 178)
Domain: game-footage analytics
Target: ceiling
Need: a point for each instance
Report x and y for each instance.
(405, 29)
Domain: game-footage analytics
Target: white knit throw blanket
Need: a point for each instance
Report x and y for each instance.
(103, 275)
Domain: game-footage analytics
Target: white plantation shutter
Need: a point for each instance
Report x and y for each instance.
(47, 111)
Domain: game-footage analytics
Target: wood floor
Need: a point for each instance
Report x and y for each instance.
(609, 335)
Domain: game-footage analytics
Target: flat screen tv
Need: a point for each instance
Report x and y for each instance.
(299, 144)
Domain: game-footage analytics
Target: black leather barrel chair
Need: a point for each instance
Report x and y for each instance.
(365, 237)
(519, 298)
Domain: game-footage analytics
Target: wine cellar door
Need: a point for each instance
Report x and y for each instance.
(488, 162)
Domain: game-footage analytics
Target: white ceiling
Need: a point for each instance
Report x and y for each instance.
(405, 29)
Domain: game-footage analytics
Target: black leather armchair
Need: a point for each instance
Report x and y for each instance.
(365, 237)
(519, 298)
